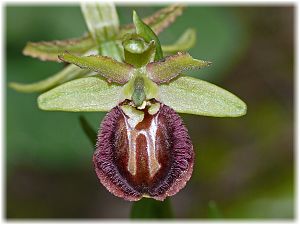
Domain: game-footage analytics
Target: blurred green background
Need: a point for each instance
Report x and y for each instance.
(243, 165)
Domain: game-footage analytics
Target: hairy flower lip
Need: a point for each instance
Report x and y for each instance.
(175, 158)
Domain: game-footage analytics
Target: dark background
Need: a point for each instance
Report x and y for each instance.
(244, 165)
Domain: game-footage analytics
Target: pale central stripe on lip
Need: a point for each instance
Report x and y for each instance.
(149, 134)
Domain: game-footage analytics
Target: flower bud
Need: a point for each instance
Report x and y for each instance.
(152, 157)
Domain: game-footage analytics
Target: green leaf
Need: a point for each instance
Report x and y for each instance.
(170, 67)
(88, 130)
(145, 32)
(49, 50)
(190, 95)
(90, 94)
(148, 208)
(107, 67)
(186, 41)
(68, 73)
(101, 19)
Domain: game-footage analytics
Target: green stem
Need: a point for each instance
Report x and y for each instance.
(148, 208)
(88, 130)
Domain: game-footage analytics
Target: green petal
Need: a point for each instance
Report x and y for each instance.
(107, 67)
(169, 68)
(186, 41)
(88, 94)
(190, 95)
(70, 72)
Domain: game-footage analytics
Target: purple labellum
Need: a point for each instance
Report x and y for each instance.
(153, 159)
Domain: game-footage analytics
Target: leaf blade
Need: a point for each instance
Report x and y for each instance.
(90, 94)
(194, 96)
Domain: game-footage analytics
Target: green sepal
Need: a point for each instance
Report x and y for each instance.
(186, 41)
(194, 96)
(170, 67)
(148, 34)
(89, 94)
(107, 67)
